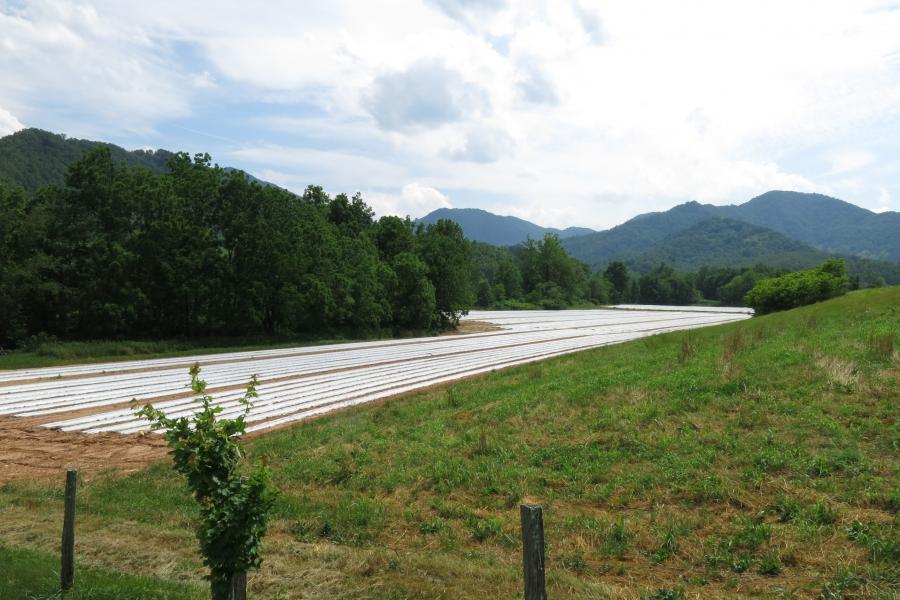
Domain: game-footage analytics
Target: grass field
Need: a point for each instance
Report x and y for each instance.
(757, 459)
(34, 575)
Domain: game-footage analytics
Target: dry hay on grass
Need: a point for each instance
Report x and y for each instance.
(841, 374)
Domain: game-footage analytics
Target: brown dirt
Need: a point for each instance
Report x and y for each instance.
(36, 453)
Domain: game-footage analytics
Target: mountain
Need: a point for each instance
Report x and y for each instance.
(715, 241)
(33, 158)
(731, 243)
(482, 226)
(827, 224)
(636, 235)
(726, 242)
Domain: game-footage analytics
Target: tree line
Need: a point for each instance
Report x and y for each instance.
(198, 251)
(540, 274)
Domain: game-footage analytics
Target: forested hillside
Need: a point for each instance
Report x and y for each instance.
(689, 237)
(824, 222)
(482, 226)
(730, 243)
(33, 158)
(126, 248)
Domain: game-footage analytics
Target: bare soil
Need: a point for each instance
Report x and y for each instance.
(37, 453)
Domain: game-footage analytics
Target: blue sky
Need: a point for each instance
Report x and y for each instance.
(561, 112)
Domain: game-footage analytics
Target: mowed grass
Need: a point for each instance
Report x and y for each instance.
(756, 459)
(34, 575)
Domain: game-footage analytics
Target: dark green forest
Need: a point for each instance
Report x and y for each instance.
(126, 252)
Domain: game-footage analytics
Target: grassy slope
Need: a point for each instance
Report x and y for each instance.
(753, 459)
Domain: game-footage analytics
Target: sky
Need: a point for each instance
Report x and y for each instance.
(565, 113)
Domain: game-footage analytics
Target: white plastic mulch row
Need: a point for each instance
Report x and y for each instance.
(709, 309)
(301, 382)
(55, 396)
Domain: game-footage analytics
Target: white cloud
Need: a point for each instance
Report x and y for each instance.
(884, 201)
(9, 123)
(414, 200)
(483, 144)
(568, 112)
(73, 60)
(849, 159)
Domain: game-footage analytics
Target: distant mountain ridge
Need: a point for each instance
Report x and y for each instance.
(826, 223)
(724, 242)
(33, 158)
(782, 229)
(483, 226)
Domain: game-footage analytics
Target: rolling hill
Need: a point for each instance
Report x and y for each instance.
(482, 226)
(33, 158)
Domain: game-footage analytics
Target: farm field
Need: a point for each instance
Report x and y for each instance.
(757, 458)
(303, 382)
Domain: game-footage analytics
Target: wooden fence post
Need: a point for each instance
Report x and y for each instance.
(533, 551)
(67, 570)
(239, 586)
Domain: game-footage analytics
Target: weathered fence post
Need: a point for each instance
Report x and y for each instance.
(239, 586)
(533, 551)
(239, 580)
(67, 570)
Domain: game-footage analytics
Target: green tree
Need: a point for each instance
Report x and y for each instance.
(445, 251)
(616, 274)
(414, 296)
(664, 286)
(394, 236)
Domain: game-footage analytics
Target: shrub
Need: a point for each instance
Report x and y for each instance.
(800, 288)
(234, 509)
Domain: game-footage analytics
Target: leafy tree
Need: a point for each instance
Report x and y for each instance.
(414, 297)
(394, 236)
(22, 262)
(445, 251)
(234, 508)
(664, 286)
(509, 277)
(616, 274)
